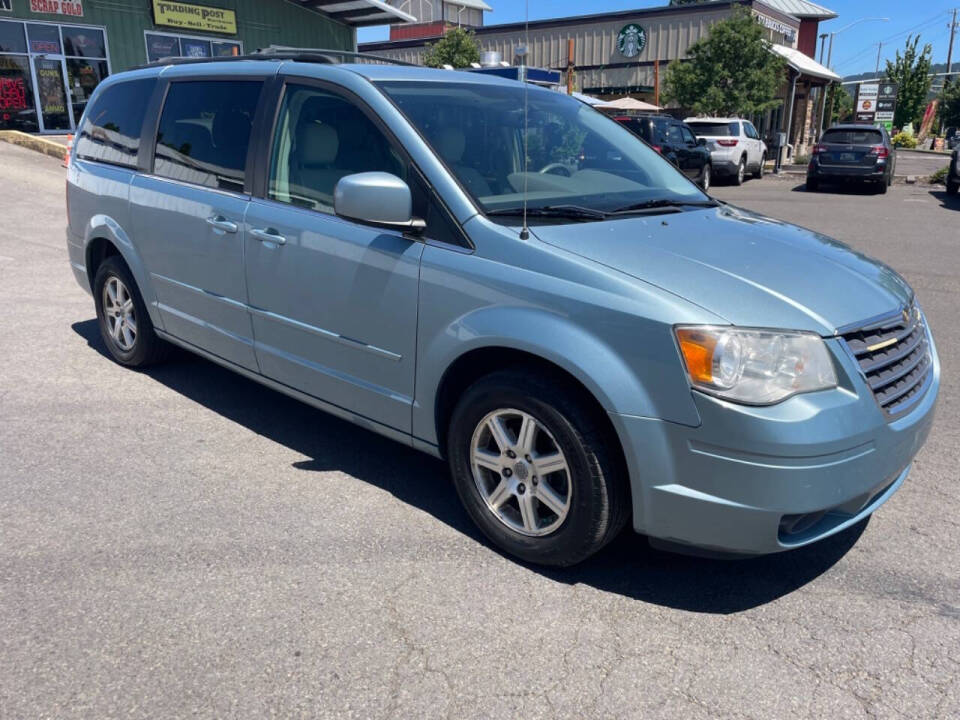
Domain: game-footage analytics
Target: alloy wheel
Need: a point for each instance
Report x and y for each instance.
(520, 472)
(119, 313)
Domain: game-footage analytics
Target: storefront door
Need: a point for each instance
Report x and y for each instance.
(56, 113)
(47, 73)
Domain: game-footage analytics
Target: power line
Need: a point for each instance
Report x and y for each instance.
(919, 26)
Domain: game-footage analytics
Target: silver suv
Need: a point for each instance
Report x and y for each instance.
(735, 146)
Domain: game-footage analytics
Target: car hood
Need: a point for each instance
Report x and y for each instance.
(751, 270)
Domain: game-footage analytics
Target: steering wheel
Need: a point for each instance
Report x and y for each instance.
(553, 167)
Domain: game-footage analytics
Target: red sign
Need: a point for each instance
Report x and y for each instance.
(13, 94)
(74, 8)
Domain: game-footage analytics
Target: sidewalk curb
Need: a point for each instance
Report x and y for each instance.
(34, 142)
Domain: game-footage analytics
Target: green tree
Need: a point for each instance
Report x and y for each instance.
(840, 105)
(458, 48)
(730, 72)
(950, 104)
(911, 72)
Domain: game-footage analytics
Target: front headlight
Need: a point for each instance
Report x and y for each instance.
(757, 367)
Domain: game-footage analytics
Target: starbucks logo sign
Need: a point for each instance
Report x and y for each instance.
(631, 40)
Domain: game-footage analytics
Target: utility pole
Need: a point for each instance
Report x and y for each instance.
(879, 50)
(953, 32)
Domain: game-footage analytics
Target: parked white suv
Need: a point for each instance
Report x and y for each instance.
(735, 146)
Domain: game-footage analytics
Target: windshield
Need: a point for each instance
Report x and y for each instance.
(731, 129)
(576, 155)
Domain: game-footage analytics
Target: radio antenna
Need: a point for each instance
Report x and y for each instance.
(525, 231)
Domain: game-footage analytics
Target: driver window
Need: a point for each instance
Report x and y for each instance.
(321, 137)
(688, 137)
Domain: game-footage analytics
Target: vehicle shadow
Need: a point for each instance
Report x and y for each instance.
(948, 201)
(841, 188)
(628, 566)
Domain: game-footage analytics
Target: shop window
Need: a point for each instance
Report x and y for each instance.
(17, 111)
(111, 129)
(53, 95)
(43, 38)
(160, 46)
(12, 39)
(204, 132)
(84, 42)
(84, 76)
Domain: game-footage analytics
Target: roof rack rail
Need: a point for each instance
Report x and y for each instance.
(276, 52)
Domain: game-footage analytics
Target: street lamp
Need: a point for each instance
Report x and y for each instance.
(823, 107)
(847, 27)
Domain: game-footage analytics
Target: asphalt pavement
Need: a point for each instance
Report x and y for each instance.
(184, 542)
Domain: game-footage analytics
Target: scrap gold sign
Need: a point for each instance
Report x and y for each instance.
(184, 16)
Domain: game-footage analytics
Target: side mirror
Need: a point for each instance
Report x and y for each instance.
(702, 142)
(376, 198)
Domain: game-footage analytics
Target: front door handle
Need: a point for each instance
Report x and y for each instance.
(221, 223)
(268, 235)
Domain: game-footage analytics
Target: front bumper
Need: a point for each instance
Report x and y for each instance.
(755, 480)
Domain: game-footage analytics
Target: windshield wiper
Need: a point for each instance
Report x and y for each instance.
(662, 204)
(575, 212)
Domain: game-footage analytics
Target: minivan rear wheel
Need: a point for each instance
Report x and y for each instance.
(124, 322)
(534, 469)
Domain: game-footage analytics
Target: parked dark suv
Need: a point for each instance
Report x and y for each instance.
(853, 152)
(676, 142)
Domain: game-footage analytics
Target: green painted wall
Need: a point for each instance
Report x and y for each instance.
(259, 23)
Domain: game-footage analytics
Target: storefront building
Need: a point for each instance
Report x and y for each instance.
(625, 53)
(53, 53)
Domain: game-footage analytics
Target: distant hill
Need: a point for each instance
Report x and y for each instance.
(936, 68)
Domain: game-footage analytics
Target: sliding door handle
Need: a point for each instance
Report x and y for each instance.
(221, 223)
(268, 235)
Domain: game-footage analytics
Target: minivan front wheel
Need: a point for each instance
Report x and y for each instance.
(534, 468)
(124, 323)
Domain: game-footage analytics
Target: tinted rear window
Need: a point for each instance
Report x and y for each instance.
(853, 137)
(731, 129)
(110, 131)
(205, 132)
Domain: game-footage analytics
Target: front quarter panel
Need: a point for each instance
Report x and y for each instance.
(610, 331)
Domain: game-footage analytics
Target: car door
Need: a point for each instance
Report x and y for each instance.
(673, 147)
(754, 143)
(696, 155)
(333, 301)
(188, 213)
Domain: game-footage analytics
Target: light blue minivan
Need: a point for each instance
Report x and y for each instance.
(353, 235)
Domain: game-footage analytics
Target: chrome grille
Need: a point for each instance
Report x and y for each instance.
(894, 357)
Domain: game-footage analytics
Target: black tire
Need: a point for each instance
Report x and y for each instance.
(953, 187)
(599, 504)
(758, 173)
(706, 177)
(812, 185)
(147, 348)
(741, 173)
(882, 187)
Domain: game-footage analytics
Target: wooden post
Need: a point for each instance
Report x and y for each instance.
(656, 82)
(569, 66)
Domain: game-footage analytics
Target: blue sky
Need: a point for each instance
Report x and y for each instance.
(852, 51)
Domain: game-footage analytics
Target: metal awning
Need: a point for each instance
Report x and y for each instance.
(804, 64)
(360, 13)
